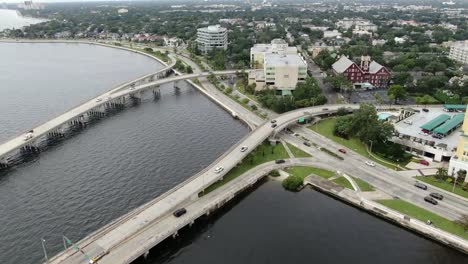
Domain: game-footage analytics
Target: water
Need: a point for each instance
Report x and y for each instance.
(110, 168)
(42, 81)
(272, 226)
(10, 19)
(133, 156)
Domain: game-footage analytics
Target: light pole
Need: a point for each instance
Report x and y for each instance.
(44, 249)
(454, 179)
(371, 146)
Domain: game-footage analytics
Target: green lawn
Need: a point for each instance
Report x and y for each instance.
(342, 181)
(325, 128)
(443, 185)
(365, 187)
(424, 215)
(298, 153)
(262, 154)
(305, 171)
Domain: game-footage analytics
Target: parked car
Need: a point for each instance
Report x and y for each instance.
(409, 122)
(279, 161)
(274, 125)
(370, 163)
(342, 151)
(424, 162)
(438, 136)
(430, 200)
(420, 185)
(425, 110)
(244, 148)
(438, 196)
(307, 143)
(179, 212)
(218, 169)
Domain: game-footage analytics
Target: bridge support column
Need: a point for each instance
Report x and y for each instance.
(146, 254)
(175, 234)
(4, 163)
(191, 223)
(30, 149)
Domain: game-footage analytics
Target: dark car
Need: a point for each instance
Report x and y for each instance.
(180, 212)
(307, 144)
(273, 121)
(420, 185)
(279, 161)
(274, 125)
(425, 110)
(430, 200)
(424, 162)
(324, 109)
(342, 151)
(438, 196)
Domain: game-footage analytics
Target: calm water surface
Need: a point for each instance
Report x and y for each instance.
(11, 19)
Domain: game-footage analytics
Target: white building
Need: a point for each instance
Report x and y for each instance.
(459, 51)
(331, 34)
(279, 67)
(358, 23)
(172, 42)
(122, 11)
(212, 37)
(399, 40)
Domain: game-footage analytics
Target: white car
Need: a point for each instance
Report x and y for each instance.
(370, 163)
(98, 100)
(218, 169)
(132, 88)
(244, 148)
(28, 136)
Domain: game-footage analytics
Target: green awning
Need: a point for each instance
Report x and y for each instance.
(435, 122)
(454, 107)
(450, 124)
(301, 120)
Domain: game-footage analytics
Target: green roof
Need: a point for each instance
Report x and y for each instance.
(435, 122)
(454, 107)
(450, 124)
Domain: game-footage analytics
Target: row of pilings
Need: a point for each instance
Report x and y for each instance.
(37, 144)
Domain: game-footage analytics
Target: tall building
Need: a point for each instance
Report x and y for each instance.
(212, 37)
(460, 160)
(278, 66)
(459, 51)
(369, 72)
(277, 46)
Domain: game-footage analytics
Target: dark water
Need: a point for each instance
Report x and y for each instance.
(270, 226)
(41, 81)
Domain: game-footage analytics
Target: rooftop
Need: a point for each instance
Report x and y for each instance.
(284, 59)
(342, 64)
(421, 118)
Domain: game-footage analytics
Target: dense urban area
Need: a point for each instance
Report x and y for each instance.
(379, 84)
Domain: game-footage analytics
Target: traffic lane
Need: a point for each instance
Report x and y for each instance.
(459, 202)
(395, 190)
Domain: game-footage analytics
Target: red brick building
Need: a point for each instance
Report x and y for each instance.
(368, 72)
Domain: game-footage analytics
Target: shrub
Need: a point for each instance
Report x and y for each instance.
(245, 101)
(254, 107)
(228, 90)
(292, 183)
(274, 173)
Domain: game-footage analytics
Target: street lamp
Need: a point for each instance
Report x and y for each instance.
(44, 249)
(371, 145)
(454, 179)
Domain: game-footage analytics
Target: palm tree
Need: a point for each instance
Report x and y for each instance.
(441, 174)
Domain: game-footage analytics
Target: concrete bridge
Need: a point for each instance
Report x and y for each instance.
(78, 117)
(133, 234)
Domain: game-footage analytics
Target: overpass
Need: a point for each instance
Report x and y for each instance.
(134, 234)
(112, 242)
(95, 108)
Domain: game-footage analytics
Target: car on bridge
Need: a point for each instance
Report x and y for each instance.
(342, 151)
(273, 121)
(98, 100)
(274, 125)
(279, 161)
(420, 186)
(28, 136)
(218, 169)
(370, 163)
(307, 143)
(244, 148)
(430, 200)
(438, 196)
(179, 212)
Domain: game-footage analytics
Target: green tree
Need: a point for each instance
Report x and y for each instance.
(292, 183)
(397, 92)
(463, 221)
(441, 174)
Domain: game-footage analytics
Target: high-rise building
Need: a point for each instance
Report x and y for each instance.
(460, 160)
(459, 51)
(278, 66)
(212, 37)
